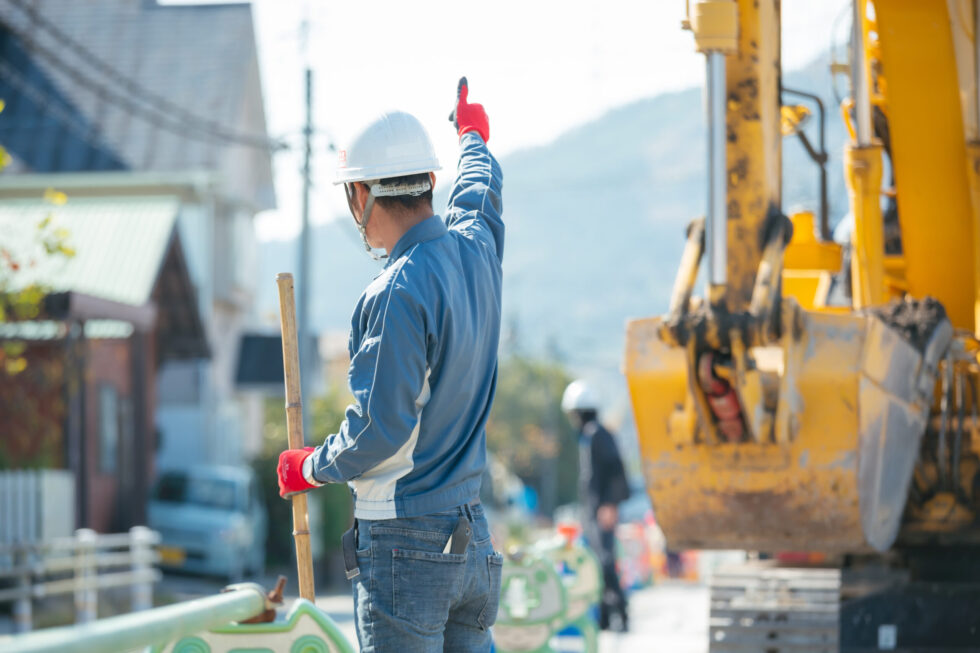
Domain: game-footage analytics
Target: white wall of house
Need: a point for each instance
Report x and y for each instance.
(201, 415)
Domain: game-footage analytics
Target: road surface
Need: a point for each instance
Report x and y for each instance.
(671, 616)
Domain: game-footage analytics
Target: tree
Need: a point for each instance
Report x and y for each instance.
(527, 429)
(23, 301)
(31, 397)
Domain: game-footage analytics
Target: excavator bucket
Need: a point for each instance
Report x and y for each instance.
(834, 413)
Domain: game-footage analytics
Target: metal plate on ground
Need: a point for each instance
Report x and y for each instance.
(759, 606)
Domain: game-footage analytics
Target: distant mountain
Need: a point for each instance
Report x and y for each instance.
(595, 225)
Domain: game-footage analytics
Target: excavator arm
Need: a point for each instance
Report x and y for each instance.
(768, 418)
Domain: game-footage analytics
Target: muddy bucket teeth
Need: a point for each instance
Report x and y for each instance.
(835, 410)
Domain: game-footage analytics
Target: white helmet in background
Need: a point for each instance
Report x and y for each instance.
(579, 396)
(394, 144)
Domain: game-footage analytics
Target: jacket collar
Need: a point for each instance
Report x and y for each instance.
(428, 229)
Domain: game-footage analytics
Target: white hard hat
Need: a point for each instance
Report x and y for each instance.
(579, 396)
(394, 144)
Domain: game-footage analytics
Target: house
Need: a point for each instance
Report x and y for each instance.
(128, 101)
(116, 311)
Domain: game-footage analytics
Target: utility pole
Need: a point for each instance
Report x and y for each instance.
(306, 353)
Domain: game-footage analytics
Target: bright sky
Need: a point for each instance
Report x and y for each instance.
(539, 67)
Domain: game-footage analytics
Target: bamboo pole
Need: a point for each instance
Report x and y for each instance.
(294, 430)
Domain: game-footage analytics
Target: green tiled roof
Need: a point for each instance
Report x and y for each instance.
(119, 244)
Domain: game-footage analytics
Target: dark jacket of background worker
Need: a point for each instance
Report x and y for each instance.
(602, 486)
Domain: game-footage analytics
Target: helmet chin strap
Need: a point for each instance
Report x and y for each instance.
(362, 227)
(362, 224)
(380, 190)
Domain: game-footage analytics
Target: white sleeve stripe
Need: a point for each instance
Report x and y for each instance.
(374, 376)
(487, 183)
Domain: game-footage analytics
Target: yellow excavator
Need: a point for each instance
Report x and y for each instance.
(823, 397)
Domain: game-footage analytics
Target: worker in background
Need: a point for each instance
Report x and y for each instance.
(602, 486)
(423, 369)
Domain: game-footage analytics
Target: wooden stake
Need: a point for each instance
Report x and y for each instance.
(294, 429)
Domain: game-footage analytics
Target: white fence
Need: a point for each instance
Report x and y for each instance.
(80, 565)
(36, 505)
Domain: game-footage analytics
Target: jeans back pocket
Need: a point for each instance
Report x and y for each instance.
(495, 565)
(425, 585)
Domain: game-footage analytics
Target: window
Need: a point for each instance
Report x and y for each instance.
(178, 487)
(179, 382)
(108, 429)
(171, 488)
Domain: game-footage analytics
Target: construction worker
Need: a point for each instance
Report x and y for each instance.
(423, 370)
(602, 486)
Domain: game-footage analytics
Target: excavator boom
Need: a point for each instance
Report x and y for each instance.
(771, 415)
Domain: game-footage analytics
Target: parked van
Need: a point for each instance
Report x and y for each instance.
(211, 521)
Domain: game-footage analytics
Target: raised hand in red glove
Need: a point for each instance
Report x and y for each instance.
(290, 472)
(469, 117)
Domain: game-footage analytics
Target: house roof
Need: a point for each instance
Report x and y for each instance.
(119, 244)
(127, 264)
(128, 84)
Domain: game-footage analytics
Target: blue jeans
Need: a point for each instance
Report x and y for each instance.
(411, 597)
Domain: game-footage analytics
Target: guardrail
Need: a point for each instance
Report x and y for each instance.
(80, 565)
(242, 618)
(36, 505)
(153, 628)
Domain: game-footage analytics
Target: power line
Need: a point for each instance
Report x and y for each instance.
(43, 100)
(158, 110)
(192, 121)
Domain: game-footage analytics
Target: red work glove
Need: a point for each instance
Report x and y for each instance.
(290, 472)
(469, 117)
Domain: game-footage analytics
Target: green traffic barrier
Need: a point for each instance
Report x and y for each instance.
(581, 576)
(546, 593)
(206, 625)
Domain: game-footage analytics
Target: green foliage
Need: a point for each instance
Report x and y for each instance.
(335, 509)
(278, 541)
(31, 377)
(21, 301)
(31, 380)
(528, 429)
(32, 402)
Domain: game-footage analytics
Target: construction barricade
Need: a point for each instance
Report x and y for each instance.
(548, 599)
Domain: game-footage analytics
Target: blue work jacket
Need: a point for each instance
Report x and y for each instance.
(423, 346)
